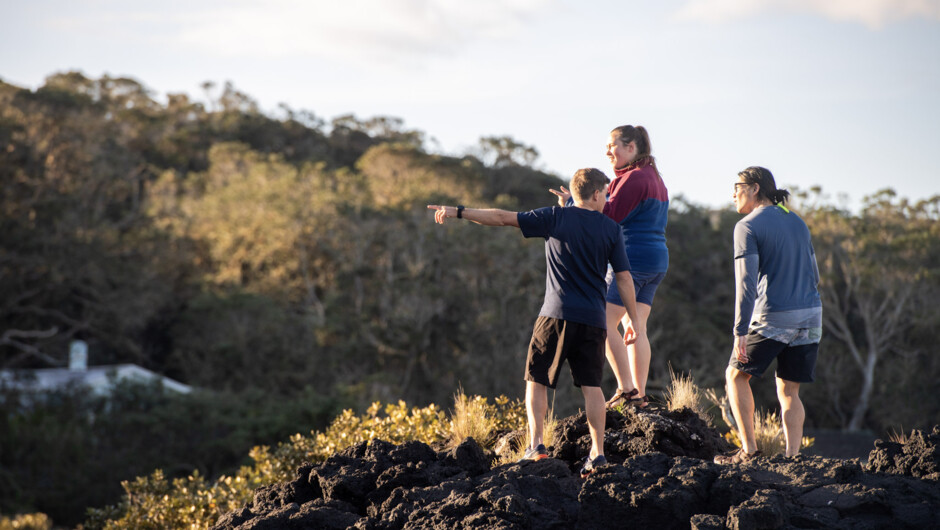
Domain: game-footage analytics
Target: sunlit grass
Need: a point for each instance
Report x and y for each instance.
(899, 437)
(471, 419)
(768, 433)
(768, 429)
(683, 393)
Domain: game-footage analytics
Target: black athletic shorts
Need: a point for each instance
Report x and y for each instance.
(794, 363)
(554, 341)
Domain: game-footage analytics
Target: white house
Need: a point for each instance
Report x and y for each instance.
(99, 378)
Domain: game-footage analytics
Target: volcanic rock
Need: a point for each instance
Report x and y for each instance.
(918, 457)
(660, 476)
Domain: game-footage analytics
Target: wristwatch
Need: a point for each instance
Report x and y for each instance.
(460, 211)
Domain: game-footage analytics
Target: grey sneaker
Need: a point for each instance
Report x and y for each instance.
(537, 453)
(591, 465)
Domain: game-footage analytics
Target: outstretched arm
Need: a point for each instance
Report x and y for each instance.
(486, 217)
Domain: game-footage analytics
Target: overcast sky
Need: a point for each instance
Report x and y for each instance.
(844, 94)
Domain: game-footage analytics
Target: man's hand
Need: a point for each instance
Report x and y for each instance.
(629, 334)
(442, 212)
(740, 349)
(562, 194)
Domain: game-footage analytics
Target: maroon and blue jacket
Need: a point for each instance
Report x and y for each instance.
(639, 202)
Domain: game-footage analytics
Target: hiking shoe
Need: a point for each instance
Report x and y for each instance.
(591, 465)
(537, 453)
(737, 457)
(622, 397)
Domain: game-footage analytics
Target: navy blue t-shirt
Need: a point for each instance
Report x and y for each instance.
(579, 243)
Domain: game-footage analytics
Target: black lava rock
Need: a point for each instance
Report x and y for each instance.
(660, 476)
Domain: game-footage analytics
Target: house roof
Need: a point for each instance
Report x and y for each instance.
(99, 378)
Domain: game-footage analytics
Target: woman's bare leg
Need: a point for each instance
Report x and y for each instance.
(616, 350)
(639, 353)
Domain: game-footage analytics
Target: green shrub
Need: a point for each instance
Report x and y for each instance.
(26, 521)
(152, 502)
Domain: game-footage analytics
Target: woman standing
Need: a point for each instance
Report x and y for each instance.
(777, 310)
(639, 203)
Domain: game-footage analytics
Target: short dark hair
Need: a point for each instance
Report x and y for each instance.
(766, 184)
(586, 181)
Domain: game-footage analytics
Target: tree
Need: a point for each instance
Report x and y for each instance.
(70, 214)
(501, 151)
(401, 176)
(385, 129)
(878, 269)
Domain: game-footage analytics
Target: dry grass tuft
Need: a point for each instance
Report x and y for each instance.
(768, 433)
(683, 393)
(768, 429)
(899, 437)
(721, 402)
(470, 419)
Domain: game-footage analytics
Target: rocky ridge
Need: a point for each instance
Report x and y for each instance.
(660, 476)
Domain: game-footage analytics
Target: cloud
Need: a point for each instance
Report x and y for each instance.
(360, 30)
(367, 32)
(872, 13)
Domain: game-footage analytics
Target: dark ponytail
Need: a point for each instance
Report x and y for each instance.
(766, 184)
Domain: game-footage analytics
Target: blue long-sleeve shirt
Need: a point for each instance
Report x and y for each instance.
(775, 273)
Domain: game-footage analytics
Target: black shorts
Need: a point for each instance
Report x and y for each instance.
(794, 363)
(554, 341)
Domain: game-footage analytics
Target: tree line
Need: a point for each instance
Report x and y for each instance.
(284, 256)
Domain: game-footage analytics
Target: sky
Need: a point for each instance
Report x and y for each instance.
(841, 94)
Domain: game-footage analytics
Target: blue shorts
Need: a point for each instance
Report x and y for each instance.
(644, 283)
(794, 363)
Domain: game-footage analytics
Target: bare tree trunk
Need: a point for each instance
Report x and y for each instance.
(881, 309)
(864, 397)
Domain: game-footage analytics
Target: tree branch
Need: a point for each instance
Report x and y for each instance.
(9, 339)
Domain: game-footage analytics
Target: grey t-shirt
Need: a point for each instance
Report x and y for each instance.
(776, 277)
